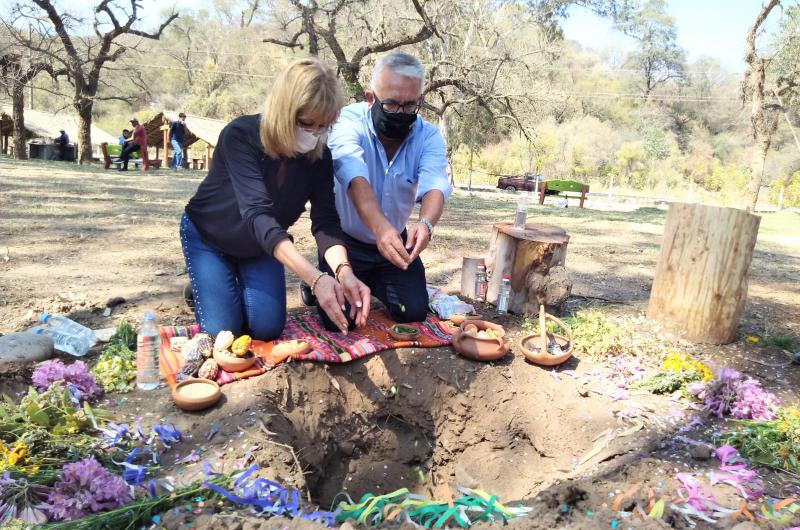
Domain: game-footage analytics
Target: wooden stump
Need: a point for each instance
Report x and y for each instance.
(700, 284)
(534, 260)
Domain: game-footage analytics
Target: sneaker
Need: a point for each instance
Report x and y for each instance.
(188, 295)
(306, 295)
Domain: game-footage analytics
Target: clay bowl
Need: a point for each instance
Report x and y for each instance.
(458, 318)
(290, 348)
(196, 394)
(480, 349)
(231, 363)
(402, 335)
(530, 346)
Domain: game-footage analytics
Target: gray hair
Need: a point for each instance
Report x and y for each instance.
(400, 63)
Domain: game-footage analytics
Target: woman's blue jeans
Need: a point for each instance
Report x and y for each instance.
(241, 295)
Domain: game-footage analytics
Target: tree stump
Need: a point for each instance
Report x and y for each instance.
(700, 284)
(534, 260)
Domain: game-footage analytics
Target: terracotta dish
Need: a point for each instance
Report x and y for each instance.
(196, 394)
(290, 348)
(400, 333)
(230, 363)
(534, 346)
(458, 318)
(468, 344)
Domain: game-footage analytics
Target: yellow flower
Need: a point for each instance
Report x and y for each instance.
(19, 454)
(750, 339)
(783, 452)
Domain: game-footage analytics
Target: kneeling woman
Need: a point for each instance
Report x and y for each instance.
(265, 169)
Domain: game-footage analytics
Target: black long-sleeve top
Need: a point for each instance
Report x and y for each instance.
(241, 210)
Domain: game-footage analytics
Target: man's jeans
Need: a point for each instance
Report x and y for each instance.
(177, 156)
(241, 295)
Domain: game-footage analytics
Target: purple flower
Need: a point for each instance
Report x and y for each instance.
(168, 434)
(115, 432)
(729, 394)
(75, 375)
(86, 487)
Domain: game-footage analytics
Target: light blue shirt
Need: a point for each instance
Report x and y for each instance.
(418, 166)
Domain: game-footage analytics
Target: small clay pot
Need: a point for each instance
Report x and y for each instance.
(458, 318)
(396, 335)
(477, 348)
(291, 348)
(196, 394)
(231, 363)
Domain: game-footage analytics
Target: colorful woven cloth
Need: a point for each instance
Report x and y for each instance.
(325, 346)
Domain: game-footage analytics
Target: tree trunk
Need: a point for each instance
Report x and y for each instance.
(84, 140)
(757, 162)
(533, 259)
(18, 118)
(700, 285)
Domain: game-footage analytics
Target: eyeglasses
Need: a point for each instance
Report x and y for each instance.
(309, 127)
(393, 107)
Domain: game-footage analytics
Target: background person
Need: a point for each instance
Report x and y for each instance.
(177, 133)
(137, 142)
(265, 169)
(62, 141)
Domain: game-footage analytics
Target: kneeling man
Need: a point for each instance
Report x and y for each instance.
(387, 158)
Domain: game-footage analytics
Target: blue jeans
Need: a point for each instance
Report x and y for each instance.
(177, 156)
(241, 295)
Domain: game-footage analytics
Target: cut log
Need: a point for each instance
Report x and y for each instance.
(534, 259)
(700, 284)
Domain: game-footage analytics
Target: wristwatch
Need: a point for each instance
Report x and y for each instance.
(428, 225)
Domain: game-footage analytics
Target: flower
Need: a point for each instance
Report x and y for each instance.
(20, 499)
(75, 377)
(729, 394)
(750, 339)
(86, 487)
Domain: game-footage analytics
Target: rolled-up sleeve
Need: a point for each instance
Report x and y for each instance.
(325, 223)
(432, 168)
(345, 145)
(243, 163)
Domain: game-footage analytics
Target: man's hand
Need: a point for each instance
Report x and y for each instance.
(357, 294)
(390, 245)
(418, 239)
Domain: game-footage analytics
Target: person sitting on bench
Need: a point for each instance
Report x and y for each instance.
(137, 142)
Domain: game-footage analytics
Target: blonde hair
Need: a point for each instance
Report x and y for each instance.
(309, 86)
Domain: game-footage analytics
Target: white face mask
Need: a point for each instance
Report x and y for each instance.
(304, 141)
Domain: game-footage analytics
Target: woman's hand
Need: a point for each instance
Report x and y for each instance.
(330, 297)
(357, 294)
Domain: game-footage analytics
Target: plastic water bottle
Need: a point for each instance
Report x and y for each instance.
(67, 335)
(504, 296)
(522, 211)
(481, 284)
(148, 348)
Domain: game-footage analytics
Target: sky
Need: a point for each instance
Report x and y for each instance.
(714, 28)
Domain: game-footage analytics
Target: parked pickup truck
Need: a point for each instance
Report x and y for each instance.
(525, 182)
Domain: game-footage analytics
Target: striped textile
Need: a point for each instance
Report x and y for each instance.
(325, 346)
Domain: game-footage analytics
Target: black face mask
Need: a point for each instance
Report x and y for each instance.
(395, 125)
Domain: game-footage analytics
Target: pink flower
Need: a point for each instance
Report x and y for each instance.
(86, 487)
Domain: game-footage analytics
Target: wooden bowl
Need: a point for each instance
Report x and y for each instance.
(458, 318)
(290, 348)
(477, 348)
(399, 335)
(231, 363)
(533, 349)
(196, 394)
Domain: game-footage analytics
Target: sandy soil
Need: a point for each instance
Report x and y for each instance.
(71, 239)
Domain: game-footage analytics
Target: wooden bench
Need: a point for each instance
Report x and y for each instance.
(564, 187)
(111, 153)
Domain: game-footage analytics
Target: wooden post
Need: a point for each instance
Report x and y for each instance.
(165, 136)
(541, 192)
(700, 284)
(534, 260)
(584, 191)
